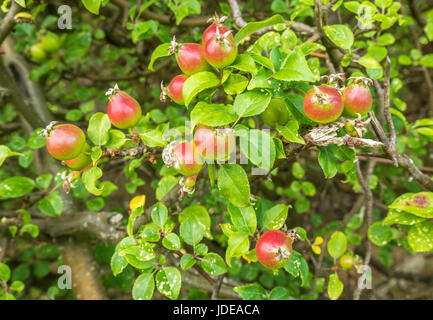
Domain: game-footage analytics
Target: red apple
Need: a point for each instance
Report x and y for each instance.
(65, 141)
(174, 89)
(357, 99)
(323, 104)
(123, 110)
(214, 144)
(274, 249)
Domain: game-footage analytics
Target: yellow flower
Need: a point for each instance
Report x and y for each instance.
(137, 201)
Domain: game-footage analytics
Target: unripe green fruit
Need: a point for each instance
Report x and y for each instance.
(347, 262)
(81, 161)
(276, 113)
(50, 42)
(37, 52)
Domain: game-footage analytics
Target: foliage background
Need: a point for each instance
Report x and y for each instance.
(359, 203)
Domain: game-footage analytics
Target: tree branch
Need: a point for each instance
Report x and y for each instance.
(240, 22)
(8, 23)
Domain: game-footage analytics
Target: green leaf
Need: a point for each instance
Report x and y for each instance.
(335, 287)
(419, 204)
(131, 220)
(279, 293)
(213, 264)
(148, 233)
(153, 138)
(143, 287)
(200, 215)
(234, 185)
(99, 125)
(159, 52)
(290, 131)
(275, 217)
(235, 84)
(159, 214)
(168, 282)
(244, 62)
(191, 231)
(22, 3)
(213, 115)
(15, 187)
(340, 34)
(5, 272)
(385, 39)
(243, 218)
(116, 140)
(32, 229)
(187, 261)
(420, 237)
(251, 103)
(328, 162)
(396, 216)
(5, 152)
(252, 291)
(17, 286)
(252, 27)
(118, 263)
(295, 68)
(92, 5)
(265, 62)
(90, 177)
(197, 83)
(427, 60)
(380, 234)
(238, 245)
(43, 181)
(171, 241)
(211, 172)
(51, 205)
(369, 62)
(337, 245)
(259, 147)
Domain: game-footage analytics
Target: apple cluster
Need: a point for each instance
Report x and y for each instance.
(48, 44)
(218, 50)
(67, 142)
(325, 104)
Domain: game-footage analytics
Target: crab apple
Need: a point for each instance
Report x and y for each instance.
(274, 249)
(123, 110)
(190, 182)
(174, 89)
(81, 161)
(189, 57)
(214, 144)
(357, 99)
(37, 52)
(186, 159)
(276, 113)
(50, 42)
(323, 104)
(66, 141)
(211, 31)
(220, 50)
(347, 262)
